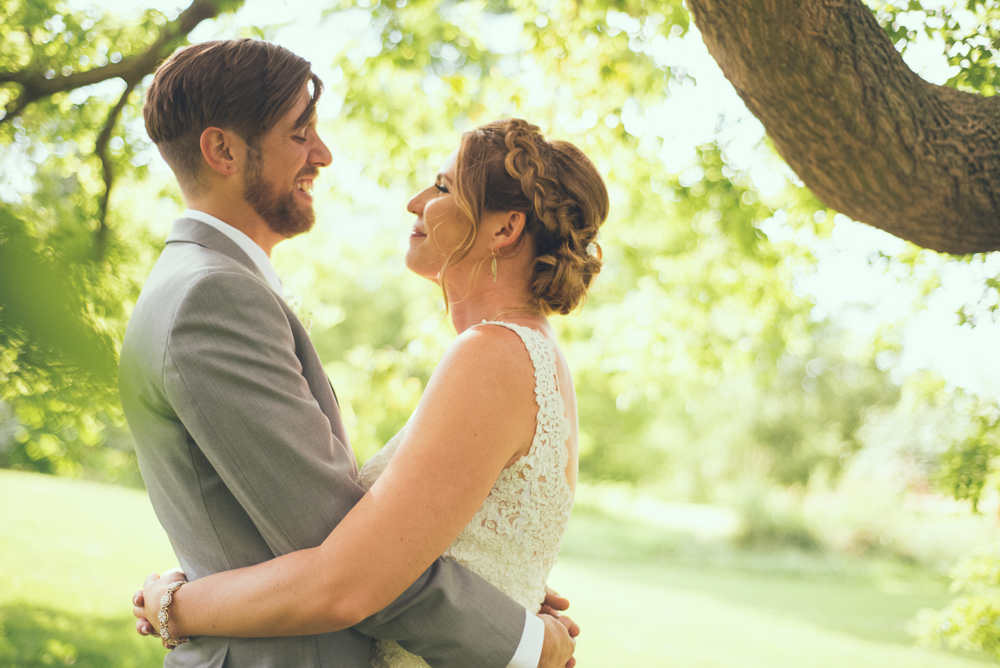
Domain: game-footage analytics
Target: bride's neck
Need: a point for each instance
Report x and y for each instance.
(490, 303)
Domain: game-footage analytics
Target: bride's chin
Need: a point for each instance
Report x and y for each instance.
(419, 271)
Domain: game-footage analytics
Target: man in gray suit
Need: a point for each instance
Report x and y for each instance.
(237, 428)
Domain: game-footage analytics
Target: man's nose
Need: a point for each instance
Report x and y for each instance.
(320, 154)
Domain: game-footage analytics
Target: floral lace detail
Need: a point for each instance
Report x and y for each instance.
(513, 541)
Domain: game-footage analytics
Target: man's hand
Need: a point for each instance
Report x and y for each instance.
(559, 644)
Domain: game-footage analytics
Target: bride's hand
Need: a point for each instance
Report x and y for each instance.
(553, 603)
(146, 601)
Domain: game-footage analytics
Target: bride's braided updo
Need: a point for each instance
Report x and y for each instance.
(508, 165)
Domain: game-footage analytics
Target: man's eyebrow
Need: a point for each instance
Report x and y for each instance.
(308, 116)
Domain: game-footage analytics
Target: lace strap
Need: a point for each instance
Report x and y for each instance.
(543, 359)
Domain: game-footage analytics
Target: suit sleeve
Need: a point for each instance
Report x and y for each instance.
(233, 377)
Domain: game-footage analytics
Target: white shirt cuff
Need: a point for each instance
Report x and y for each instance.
(529, 651)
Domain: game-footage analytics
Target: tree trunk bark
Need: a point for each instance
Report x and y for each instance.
(868, 136)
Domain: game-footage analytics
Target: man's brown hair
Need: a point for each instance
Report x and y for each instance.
(241, 85)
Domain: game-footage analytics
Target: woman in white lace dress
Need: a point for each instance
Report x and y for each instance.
(486, 466)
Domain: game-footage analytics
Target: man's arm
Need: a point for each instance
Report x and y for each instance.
(233, 377)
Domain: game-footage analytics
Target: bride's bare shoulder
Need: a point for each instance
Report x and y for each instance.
(489, 356)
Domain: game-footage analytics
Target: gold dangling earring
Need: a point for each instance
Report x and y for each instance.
(494, 266)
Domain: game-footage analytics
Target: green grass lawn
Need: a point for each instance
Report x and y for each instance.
(72, 553)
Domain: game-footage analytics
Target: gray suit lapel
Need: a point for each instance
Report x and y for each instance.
(189, 230)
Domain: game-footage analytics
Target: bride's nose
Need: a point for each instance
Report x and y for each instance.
(416, 205)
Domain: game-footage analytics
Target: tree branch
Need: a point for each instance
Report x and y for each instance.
(101, 149)
(16, 77)
(35, 86)
(867, 135)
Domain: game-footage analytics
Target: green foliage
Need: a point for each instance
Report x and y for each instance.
(987, 308)
(37, 298)
(967, 470)
(771, 521)
(71, 262)
(968, 29)
(969, 467)
(973, 620)
(440, 51)
(810, 419)
(58, 359)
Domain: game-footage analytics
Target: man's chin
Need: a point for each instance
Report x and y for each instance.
(301, 229)
(292, 226)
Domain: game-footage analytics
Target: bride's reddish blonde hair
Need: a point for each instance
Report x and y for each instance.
(508, 165)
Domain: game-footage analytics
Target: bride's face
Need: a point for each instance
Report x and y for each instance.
(440, 228)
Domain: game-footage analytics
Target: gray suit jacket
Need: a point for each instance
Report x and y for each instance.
(242, 447)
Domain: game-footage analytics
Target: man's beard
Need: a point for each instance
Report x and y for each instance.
(278, 210)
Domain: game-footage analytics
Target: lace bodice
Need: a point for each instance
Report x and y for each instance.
(513, 540)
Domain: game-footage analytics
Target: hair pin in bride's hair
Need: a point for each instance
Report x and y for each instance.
(594, 248)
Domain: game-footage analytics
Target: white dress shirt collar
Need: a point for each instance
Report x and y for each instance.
(246, 244)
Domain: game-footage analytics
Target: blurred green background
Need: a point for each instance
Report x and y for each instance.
(788, 437)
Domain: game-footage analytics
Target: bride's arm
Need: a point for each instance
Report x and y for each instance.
(477, 414)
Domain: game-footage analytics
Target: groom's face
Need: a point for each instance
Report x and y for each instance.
(281, 169)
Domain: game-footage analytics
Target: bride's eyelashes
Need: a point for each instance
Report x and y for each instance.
(441, 188)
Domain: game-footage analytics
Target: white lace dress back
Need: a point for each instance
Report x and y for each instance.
(513, 541)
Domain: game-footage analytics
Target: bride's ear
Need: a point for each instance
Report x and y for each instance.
(509, 229)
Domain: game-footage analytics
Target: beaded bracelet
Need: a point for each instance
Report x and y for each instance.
(164, 617)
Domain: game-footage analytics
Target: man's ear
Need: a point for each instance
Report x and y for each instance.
(510, 230)
(217, 147)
